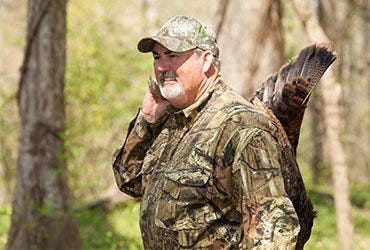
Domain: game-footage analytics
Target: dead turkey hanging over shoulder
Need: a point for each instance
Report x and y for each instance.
(286, 93)
(284, 97)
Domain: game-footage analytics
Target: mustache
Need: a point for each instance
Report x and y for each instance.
(167, 74)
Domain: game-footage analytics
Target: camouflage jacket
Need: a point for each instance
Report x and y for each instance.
(209, 177)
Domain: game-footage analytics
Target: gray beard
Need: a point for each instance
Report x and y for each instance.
(172, 91)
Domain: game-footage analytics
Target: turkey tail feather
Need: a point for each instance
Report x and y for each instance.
(315, 66)
(310, 64)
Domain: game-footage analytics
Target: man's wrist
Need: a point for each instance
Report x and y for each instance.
(147, 117)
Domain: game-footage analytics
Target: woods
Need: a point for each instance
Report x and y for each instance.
(331, 93)
(81, 78)
(41, 212)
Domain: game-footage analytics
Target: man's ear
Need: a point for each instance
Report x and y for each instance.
(208, 58)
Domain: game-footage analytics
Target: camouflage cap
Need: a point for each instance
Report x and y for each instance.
(182, 33)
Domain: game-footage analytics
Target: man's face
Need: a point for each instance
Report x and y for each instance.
(178, 74)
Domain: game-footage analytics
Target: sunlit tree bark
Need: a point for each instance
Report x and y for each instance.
(251, 41)
(318, 135)
(317, 123)
(41, 216)
(347, 23)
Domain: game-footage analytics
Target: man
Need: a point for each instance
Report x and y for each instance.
(207, 164)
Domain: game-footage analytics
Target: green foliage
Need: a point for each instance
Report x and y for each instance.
(125, 220)
(360, 196)
(5, 213)
(324, 233)
(96, 232)
(324, 230)
(105, 82)
(117, 229)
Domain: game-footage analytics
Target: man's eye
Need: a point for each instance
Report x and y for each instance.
(173, 56)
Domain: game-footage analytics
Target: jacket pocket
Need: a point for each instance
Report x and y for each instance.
(183, 206)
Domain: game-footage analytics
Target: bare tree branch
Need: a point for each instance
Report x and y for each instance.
(221, 13)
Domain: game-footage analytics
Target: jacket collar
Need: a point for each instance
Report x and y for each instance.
(196, 107)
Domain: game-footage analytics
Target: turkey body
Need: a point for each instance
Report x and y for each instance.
(284, 96)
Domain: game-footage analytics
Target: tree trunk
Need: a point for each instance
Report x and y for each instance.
(220, 15)
(331, 92)
(318, 121)
(41, 216)
(318, 134)
(339, 17)
(251, 42)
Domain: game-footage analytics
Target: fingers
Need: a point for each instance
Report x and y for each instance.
(295, 103)
(288, 106)
(293, 95)
(288, 91)
(153, 87)
(302, 87)
(298, 86)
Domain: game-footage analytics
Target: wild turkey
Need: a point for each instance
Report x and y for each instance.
(287, 92)
(284, 97)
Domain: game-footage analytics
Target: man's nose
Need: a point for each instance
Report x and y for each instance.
(163, 65)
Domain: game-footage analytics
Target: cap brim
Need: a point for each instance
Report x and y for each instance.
(174, 44)
(146, 44)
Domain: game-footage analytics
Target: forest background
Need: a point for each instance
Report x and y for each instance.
(106, 79)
